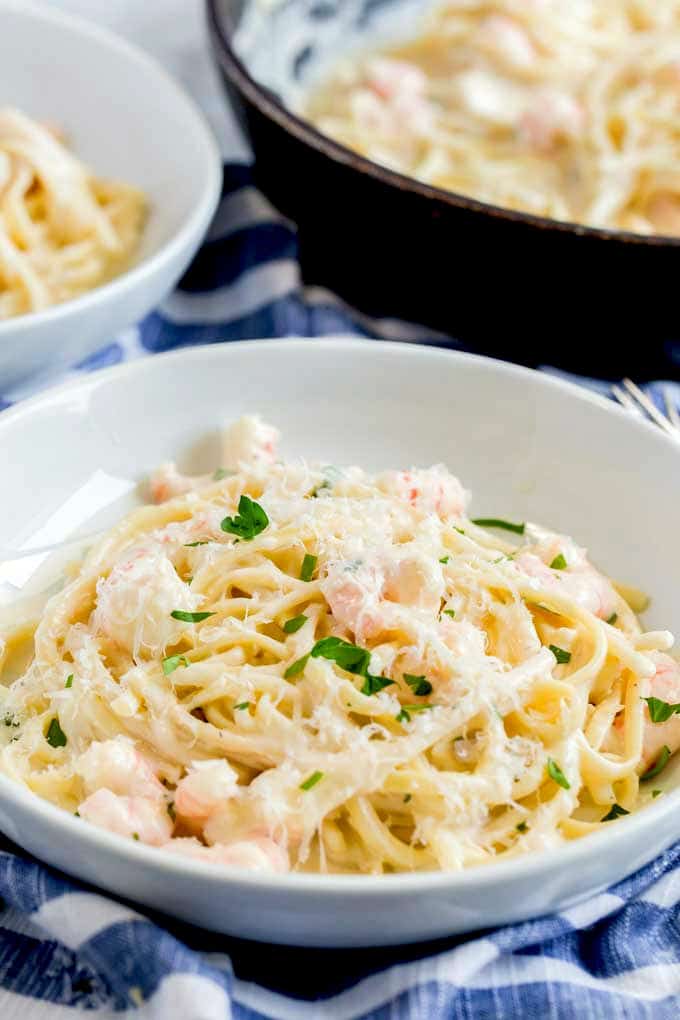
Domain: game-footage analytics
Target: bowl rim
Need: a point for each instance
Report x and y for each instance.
(201, 210)
(269, 104)
(574, 853)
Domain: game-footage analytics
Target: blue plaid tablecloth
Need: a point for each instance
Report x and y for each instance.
(65, 948)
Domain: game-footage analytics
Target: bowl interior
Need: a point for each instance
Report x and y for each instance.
(118, 111)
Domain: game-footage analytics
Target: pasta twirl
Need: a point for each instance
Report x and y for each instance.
(292, 666)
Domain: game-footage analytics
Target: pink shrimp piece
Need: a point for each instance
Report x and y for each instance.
(579, 580)
(205, 787)
(166, 482)
(353, 593)
(665, 685)
(414, 581)
(249, 441)
(119, 767)
(390, 78)
(507, 40)
(432, 490)
(553, 118)
(256, 854)
(135, 601)
(135, 817)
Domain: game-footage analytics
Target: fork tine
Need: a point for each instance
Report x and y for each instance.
(627, 401)
(671, 408)
(649, 406)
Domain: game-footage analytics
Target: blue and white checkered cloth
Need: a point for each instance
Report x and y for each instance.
(65, 948)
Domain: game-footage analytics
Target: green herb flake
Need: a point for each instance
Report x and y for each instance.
(9, 720)
(171, 811)
(406, 710)
(496, 522)
(449, 612)
(315, 778)
(375, 684)
(69, 681)
(656, 793)
(76, 814)
(522, 827)
(660, 711)
(173, 662)
(445, 559)
(242, 706)
(616, 811)
(659, 764)
(293, 626)
(296, 667)
(613, 618)
(348, 656)
(459, 530)
(559, 563)
(418, 684)
(192, 545)
(308, 567)
(556, 774)
(179, 614)
(135, 836)
(560, 654)
(249, 522)
(221, 473)
(55, 736)
(407, 797)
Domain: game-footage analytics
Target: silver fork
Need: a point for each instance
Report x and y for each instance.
(637, 402)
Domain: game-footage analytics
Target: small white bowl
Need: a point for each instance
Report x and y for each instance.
(126, 118)
(527, 445)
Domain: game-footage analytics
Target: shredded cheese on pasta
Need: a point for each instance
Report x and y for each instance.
(293, 666)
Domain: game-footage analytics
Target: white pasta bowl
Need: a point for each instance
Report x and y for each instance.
(528, 446)
(127, 119)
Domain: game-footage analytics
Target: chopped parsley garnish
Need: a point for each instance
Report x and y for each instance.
(407, 797)
(560, 654)
(249, 522)
(616, 811)
(660, 711)
(296, 667)
(496, 522)
(69, 681)
(656, 793)
(559, 563)
(192, 545)
(405, 713)
(375, 684)
(522, 827)
(659, 764)
(312, 781)
(242, 706)
(222, 473)
(179, 614)
(418, 684)
(135, 836)
(445, 559)
(55, 736)
(173, 662)
(171, 811)
(9, 720)
(556, 773)
(449, 612)
(308, 567)
(293, 626)
(613, 618)
(352, 659)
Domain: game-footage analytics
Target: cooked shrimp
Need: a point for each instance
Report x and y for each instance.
(579, 579)
(137, 817)
(205, 787)
(665, 685)
(119, 767)
(135, 601)
(432, 490)
(256, 854)
(249, 441)
(552, 118)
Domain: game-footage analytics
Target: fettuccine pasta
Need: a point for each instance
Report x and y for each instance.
(286, 666)
(63, 231)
